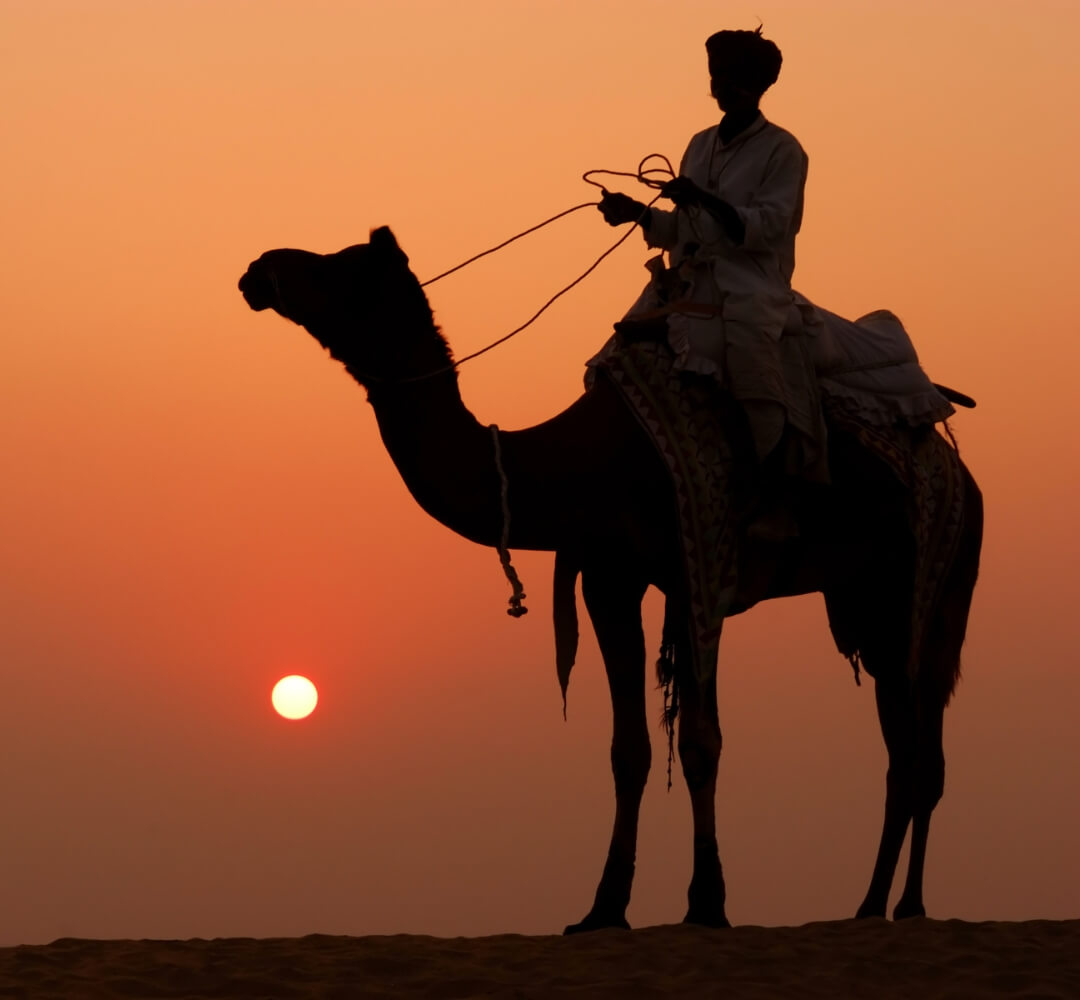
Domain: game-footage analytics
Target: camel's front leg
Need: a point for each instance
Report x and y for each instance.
(613, 600)
(699, 753)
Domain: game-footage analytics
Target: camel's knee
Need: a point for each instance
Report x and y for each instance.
(930, 783)
(699, 754)
(630, 763)
(900, 780)
(919, 785)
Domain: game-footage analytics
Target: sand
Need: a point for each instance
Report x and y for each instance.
(843, 959)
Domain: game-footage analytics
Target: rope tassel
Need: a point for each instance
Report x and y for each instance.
(517, 598)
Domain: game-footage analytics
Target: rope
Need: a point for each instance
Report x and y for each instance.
(506, 243)
(644, 175)
(517, 607)
(558, 295)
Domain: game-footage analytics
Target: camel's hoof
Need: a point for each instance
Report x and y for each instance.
(868, 910)
(598, 922)
(706, 919)
(905, 911)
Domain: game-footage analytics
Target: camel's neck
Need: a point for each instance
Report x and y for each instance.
(445, 456)
(397, 353)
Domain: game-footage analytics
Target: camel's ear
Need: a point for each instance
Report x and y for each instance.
(384, 244)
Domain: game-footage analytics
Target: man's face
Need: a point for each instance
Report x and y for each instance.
(730, 95)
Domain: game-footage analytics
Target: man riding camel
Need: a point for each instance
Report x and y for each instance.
(726, 293)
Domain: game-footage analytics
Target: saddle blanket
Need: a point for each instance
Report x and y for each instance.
(681, 418)
(871, 364)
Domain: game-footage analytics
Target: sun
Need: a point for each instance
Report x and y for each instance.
(294, 697)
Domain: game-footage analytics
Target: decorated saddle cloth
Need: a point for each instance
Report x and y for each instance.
(929, 468)
(681, 417)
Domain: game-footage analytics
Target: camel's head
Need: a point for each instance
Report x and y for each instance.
(359, 303)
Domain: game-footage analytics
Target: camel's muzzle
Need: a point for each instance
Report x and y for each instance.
(258, 287)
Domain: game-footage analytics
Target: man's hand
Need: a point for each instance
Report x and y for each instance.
(620, 208)
(683, 191)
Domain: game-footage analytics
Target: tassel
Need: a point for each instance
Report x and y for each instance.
(517, 599)
(665, 673)
(856, 661)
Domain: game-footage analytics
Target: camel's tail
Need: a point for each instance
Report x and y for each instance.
(667, 678)
(564, 606)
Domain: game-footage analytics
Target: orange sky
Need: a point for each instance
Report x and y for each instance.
(195, 500)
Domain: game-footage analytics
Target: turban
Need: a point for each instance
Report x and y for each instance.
(745, 58)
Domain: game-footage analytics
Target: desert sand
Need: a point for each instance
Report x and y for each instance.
(842, 959)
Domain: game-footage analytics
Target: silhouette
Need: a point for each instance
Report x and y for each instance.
(726, 289)
(589, 485)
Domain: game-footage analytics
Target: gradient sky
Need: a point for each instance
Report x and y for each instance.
(195, 500)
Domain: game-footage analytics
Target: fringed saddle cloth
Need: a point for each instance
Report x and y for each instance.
(679, 414)
(680, 417)
(929, 467)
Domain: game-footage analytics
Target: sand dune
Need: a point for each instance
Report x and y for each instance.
(844, 959)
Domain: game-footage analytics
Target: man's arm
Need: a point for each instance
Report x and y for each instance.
(684, 192)
(766, 220)
(778, 202)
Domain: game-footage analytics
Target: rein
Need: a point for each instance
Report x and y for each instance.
(652, 177)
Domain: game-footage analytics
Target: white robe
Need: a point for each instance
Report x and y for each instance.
(733, 302)
(731, 312)
(761, 173)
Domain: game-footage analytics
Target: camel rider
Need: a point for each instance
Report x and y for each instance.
(726, 292)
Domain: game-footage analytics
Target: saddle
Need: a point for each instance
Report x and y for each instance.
(684, 417)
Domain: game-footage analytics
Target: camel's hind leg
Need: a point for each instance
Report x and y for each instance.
(699, 753)
(913, 786)
(911, 714)
(928, 786)
(614, 600)
(938, 673)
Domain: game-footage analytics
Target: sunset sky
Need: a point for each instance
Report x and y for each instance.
(195, 501)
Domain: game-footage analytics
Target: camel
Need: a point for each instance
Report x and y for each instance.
(590, 479)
